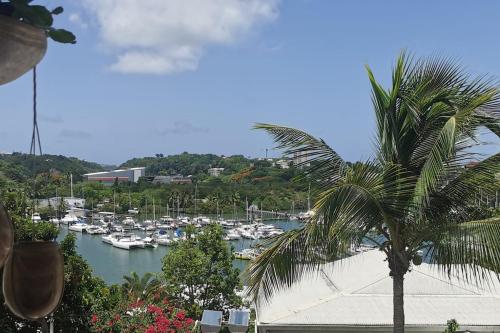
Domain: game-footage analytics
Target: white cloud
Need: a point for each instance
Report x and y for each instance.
(167, 36)
(76, 19)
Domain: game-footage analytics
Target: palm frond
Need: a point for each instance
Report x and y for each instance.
(316, 154)
(463, 187)
(469, 249)
(291, 255)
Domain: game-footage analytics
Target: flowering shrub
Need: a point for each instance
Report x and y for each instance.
(150, 316)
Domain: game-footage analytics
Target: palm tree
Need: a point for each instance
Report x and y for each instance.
(138, 288)
(415, 193)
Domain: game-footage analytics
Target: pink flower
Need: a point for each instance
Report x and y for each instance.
(181, 315)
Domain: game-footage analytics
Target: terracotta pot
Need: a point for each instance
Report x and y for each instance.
(33, 279)
(6, 235)
(22, 46)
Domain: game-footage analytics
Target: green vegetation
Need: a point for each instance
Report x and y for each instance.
(82, 290)
(451, 326)
(259, 181)
(89, 305)
(38, 16)
(416, 193)
(199, 273)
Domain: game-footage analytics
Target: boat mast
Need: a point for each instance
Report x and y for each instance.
(246, 203)
(217, 208)
(178, 209)
(114, 205)
(71, 182)
(196, 199)
(154, 210)
(146, 208)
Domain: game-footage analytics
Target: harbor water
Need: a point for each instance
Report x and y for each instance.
(111, 263)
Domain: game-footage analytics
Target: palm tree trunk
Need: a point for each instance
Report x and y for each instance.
(398, 302)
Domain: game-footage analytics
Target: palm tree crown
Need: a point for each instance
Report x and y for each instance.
(139, 288)
(414, 194)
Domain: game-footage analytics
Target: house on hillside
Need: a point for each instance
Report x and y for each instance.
(215, 172)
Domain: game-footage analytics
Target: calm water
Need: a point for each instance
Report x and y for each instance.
(111, 263)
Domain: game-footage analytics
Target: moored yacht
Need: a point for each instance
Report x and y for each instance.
(78, 226)
(95, 230)
(128, 241)
(69, 218)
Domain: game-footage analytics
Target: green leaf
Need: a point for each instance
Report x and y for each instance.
(57, 10)
(36, 15)
(62, 36)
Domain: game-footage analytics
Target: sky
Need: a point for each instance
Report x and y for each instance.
(169, 76)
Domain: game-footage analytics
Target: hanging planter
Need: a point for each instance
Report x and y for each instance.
(24, 29)
(6, 236)
(33, 279)
(22, 46)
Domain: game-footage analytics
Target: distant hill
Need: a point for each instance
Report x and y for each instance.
(19, 166)
(188, 164)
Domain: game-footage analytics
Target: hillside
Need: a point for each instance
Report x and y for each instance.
(189, 164)
(20, 167)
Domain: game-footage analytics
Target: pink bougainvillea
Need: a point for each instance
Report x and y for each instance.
(158, 316)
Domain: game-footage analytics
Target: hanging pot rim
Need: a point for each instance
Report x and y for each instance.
(24, 45)
(4, 215)
(33, 244)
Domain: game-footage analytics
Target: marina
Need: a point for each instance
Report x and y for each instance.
(111, 262)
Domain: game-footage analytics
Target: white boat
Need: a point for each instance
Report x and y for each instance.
(162, 237)
(150, 228)
(246, 254)
(226, 224)
(128, 221)
(69, 218)
(95, 230)
(167, 219)
(108, 239)
(35, 217)
(80, 227)
(203, 220)
(55, 221)
(133, 211)
(166, 226)
(233, 235)
(128, 242)
(150, 242)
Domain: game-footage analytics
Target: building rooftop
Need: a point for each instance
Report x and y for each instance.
(117, 170)
(357, 291)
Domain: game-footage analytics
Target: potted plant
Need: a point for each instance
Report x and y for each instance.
(24, 29)
(33, 275)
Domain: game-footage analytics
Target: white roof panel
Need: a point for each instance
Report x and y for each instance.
(358, 291)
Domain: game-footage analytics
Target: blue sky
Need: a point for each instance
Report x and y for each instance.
(134, 85)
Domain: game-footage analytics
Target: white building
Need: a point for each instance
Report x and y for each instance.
(122, 175)
(284, 164)
(355, 295)
(215, 172)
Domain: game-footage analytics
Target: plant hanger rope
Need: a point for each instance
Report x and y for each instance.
(36, 133)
